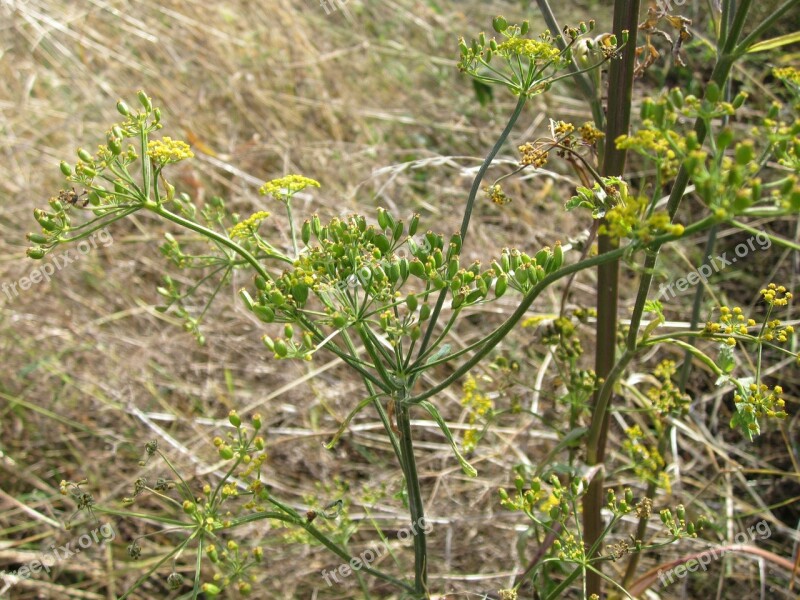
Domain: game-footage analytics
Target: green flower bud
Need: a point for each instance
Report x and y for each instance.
(144, 100)
(413, 224)
(212, 553)
(424, 312)
(246, 298)
(123, 109)
(744, 153)
(411, 302)
(189, 507)
(211, 589)
(85, 155)
(712, 92)
(265, 313)
(501, 285)
(37, 238)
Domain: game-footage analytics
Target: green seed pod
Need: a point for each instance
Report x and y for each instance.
(65, 167)
(268, 343)
(234, 418)
(676, 98)
(629, 496)
(397, 231)
(724, 139)
(712, 92)
(493, 45)
(37, 238)
(482, 39)
(474, 296)
(382, 243)
(499, 24)
(189, 507)
(417, 269)
(393, 272)
(123, 109)
(412, 303)
(744, 153)
(85, 155)
(246, 298)
(415, 333)
(316, 225)
(256, 421)
(681, 512)
(115, 145)
(424, 313)
(383, 222)
(521, 276)
(288, 331)
(378, 274)
(260, 282)
(523, 30)
(542, 256)
(558, 256)
(35, 253)
(463, 48)
(458, 300)
(501, 285)
(210, 589)
(300, 294)
(505, 262)
(413, 224)
(281, 349)
(265, 313)
(739, 99)
(646, 110)
(305, 232)
(144, 100)
(339, 320)
(455, 243)
(402, 265)
(452, 268)
(438, 258)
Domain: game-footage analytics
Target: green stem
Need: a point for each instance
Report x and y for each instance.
(473, 193)
(416, 507)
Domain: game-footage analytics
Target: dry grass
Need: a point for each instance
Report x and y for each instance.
(367, 101)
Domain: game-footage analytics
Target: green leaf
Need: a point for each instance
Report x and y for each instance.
(727, 361)
(468, 469)
(483, 92)
(781, 40)
(568, 440)
(346, 422)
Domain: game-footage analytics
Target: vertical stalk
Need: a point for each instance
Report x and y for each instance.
(626, 17)
(414, 500)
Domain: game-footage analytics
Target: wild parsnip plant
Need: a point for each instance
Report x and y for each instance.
(383, 296)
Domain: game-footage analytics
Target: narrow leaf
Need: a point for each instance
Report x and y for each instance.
(468, 469)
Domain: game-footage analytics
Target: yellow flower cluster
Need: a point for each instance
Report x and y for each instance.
(246, 228)
(776, 295)
(563, 128)
(589, 133)
(761, 401)
(648, 464)
(531, 155)
(787, 73)
(534, 50)
(284, 188)
(497, 195)
(479, 405)
(168, 150)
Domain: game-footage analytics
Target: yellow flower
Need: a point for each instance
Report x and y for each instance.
(249, 226)
(168, 150)
(284, 188)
